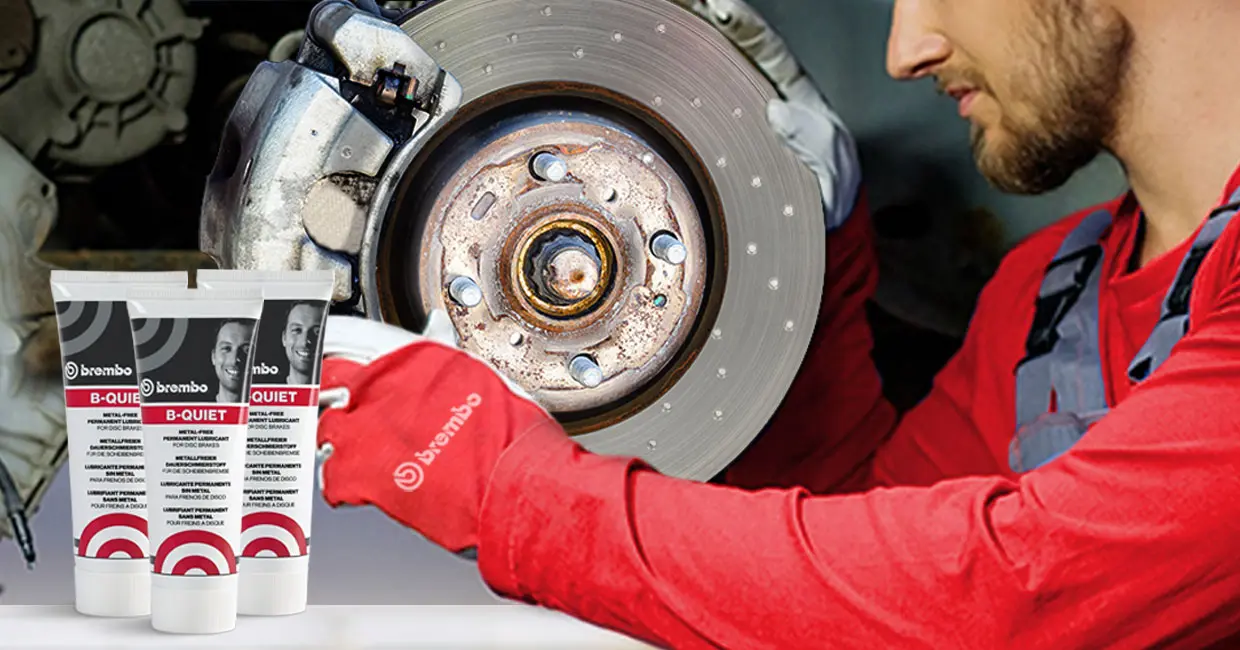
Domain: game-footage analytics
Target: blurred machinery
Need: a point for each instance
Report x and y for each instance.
(96, 151)
(106, 81)
(588, 188)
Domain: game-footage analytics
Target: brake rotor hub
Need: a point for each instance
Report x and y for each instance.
(553, 215)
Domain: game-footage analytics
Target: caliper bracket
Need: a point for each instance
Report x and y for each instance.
(382, 71)
(308, 139)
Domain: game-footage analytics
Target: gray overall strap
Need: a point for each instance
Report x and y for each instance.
(1061, 353)
(1173, 321)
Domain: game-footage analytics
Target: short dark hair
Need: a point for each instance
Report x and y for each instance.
(313, 304)
(233, 321)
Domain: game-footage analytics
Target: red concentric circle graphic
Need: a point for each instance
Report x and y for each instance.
(276, 546)
(224, 561)
(114, 529)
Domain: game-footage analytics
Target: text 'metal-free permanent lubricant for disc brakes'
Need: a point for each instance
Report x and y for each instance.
(280, 450)
(193, 355)
(107, 481)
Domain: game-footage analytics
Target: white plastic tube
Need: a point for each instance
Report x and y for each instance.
(192, 348)
(279, 470)
(107, 480)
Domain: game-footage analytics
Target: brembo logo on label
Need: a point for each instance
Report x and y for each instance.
(408, 475)
(73, 370)
(265, 369)
(157, 387)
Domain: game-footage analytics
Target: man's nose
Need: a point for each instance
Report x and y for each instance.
(914, 48)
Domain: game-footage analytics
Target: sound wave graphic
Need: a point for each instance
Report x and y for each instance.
(71, 312)
(153, 355)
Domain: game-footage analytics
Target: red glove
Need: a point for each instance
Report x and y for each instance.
(415, 426)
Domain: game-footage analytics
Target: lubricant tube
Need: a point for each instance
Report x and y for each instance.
(107, 481)
(192, 348)
(280, 451)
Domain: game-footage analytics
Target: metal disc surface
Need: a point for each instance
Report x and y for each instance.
(660, 56)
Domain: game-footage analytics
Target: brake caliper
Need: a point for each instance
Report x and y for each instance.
(308, 141)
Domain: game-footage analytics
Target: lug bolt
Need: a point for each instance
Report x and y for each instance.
(549, 167)
(668, 248)
(465, 292)
(585, 371)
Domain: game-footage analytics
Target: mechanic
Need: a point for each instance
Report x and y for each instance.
(1071, 481)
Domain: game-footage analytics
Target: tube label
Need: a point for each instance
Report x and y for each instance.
(193, 377)
(279, 469)
(106, 465)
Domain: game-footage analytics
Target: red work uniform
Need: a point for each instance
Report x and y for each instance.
(875, 531)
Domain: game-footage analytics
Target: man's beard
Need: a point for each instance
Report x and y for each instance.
(1065, 97)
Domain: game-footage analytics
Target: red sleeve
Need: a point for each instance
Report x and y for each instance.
(835, 432)
(1127, 541)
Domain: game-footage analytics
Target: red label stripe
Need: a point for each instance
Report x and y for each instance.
(195, 414)
(284, 396)
(97, 398)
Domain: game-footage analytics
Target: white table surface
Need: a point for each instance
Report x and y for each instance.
(335, 627)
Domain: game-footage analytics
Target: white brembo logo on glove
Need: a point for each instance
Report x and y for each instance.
(409, 474)
(362, 341)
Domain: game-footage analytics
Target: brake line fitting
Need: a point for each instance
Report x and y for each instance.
(16, 511)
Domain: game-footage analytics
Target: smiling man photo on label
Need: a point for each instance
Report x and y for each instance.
(229, 357)
(1072, 479)
(301, 340)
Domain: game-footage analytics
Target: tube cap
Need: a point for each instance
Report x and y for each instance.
(193, 604)
(273, 594)
(115, 588)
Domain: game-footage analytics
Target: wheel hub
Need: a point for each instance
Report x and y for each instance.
(565, 268)
(553, 215)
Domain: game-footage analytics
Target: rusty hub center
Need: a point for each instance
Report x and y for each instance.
(572, 273)
(564, 268)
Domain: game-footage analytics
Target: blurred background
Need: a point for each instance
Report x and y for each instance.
(128, 164)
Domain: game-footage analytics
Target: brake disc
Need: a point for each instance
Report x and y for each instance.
(607, 218)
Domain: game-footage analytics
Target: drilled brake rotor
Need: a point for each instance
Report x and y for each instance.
(660, 125)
